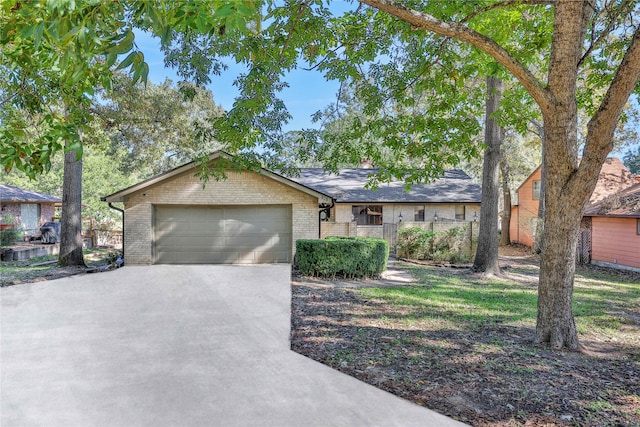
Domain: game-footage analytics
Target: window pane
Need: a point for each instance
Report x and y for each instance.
(536, 190)
(367, 215)
(460, 212)
(418, 213)
(374, 215)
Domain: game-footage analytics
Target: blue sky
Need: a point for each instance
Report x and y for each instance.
(307, 93)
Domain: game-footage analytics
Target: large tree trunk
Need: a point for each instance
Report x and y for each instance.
(486, 259)
(505, 235)
(566, 193)
(555, 323)
(71, 217)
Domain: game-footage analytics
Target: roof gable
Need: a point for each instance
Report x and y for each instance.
(531, 175)
(10, 193)
(119, 196)
(348, 186)
(614, 177)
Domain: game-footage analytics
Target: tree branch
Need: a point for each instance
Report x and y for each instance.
(465, 34)
(622, 10)
(602, 125)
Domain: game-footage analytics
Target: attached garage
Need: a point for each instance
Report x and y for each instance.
(249, 217)
(222, 235)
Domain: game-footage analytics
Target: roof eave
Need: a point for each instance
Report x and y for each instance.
(122, 194)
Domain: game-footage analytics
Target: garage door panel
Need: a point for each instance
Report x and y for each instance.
(190, 257)
(222, 235)
(192, 243)
(257, 240)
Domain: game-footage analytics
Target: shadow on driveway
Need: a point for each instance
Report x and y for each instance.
(174, 345)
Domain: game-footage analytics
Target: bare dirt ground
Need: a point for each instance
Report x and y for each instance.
(45, 268)
(487, 374)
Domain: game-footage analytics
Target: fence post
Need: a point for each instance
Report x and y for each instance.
(470, 240)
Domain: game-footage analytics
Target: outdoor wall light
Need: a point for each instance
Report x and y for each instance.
(475, 216)
(435, 217)
(400, 217)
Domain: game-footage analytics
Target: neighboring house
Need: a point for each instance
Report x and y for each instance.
(30, 208)
(615, 230)
(256, 217)
(614, 177)
(453, 197)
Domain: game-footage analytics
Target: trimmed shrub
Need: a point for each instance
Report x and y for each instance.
(351, 257)
(452, 245)
(415, 243)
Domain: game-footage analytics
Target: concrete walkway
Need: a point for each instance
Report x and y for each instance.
(174, 345)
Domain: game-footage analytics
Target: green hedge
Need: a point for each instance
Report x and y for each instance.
(351, 257)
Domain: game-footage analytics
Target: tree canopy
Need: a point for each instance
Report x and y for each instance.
(423, 57)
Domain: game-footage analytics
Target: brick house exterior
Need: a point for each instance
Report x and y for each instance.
(240, 189)
(29, 208)
(453, 197)
(255, 217)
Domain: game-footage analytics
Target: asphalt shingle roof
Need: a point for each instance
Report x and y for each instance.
(349, 187)
(9, 193)
(625, 203)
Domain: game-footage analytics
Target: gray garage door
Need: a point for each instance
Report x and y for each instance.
(222, 235)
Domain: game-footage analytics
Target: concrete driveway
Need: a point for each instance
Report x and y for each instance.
(174, 345)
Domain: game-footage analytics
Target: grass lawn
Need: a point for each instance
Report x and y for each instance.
(37, 269)
(461, 344)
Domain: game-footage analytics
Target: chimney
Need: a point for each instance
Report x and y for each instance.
(365, 164)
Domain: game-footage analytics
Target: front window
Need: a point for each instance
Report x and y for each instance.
(536, 190)
(638, 227)
(367, 215)
(418, 213)
(460, 212)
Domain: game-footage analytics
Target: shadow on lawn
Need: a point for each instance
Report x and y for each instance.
(481, 368)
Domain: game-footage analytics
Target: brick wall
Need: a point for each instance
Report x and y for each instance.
(343, 229)
(238, 189)
(47, 211)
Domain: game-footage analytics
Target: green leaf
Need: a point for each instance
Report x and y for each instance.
(74, 146)
(243, 9)
(124, 46)
(27, 32)
(224, 11)
(111, 59)
(127, 61)
(38, 35)
(141, 72)
(77, 75)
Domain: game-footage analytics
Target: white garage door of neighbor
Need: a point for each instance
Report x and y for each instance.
(222, 235)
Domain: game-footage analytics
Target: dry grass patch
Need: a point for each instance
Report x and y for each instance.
(462, 345)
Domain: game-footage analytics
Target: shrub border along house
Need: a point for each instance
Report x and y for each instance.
(453, 244)
(350, 257)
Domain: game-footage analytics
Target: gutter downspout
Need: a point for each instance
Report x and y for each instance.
(122, 212)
